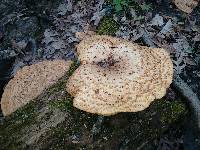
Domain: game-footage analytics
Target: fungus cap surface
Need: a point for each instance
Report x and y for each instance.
(118, 76)
(186, 5)
(30, 82)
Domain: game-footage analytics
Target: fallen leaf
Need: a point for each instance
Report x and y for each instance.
(64, 7)
(186, 5)
(97, 16)
(157, 21)
(179, 63)
(166, 30)
(182, 45)
(190, 61)
(123, 32)
(196, 38)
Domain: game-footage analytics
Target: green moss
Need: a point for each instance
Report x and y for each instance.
(73, 67)
(60, 85)
(107, 26)
(75, 124)
(62, 104)
(23, 116)
(15, 123)
(57, 87)
(65, 103)
(172, 111)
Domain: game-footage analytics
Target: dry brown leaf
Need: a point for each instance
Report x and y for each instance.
(186, 5)
(157, 21)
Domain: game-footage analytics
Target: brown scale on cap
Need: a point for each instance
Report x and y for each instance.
(118, 76)
(186, 5)
(30, 82)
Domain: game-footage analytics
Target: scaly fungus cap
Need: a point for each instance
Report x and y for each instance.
(118, 76)
(30, 82)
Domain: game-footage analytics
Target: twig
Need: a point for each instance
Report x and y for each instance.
(180, 85)
(189, 95)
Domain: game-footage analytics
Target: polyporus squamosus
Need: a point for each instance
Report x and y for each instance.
(186, 5)
(30, 82)
(118, 76)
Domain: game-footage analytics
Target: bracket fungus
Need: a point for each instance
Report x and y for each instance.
(118, 76)
(30, 82)
(186, 5)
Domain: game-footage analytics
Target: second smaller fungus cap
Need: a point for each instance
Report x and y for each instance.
(30, 82)
(118, 76)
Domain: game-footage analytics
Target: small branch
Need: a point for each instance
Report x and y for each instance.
(180, 85)
(189, 95)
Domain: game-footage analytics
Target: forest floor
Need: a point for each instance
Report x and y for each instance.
(32, 31)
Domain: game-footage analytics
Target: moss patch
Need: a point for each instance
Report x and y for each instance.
(172, 111)
(142, 127)
(60, 85)
(62, 104)
(107, 26)
(14, 124)
(73, 67)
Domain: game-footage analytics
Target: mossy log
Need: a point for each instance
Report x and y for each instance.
(51, 122)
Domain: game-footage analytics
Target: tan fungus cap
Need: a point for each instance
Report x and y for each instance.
(30, 82)
(118, 76)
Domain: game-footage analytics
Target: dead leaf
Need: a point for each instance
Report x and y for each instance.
(53, 44)
(97, 16)
(190, 61)
(64, 7)
(179, 63)
(182, 45)
(186, 5)
(136, 34)
(196, 38)
(166, 30)
(157, 21)
(123, 32)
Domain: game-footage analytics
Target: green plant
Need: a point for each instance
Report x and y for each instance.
(120, 5)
